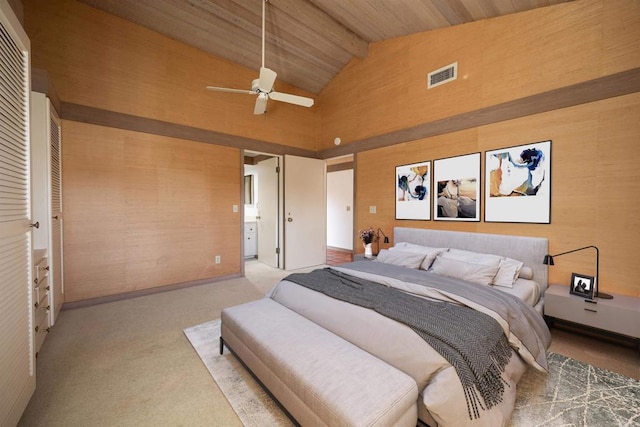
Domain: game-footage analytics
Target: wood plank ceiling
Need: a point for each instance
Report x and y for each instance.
(308, 42)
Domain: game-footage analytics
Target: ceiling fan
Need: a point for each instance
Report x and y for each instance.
(263, 85)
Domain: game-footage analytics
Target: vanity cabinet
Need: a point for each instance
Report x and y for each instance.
(250, 239)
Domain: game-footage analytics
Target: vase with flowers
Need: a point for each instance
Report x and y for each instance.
(368, 236)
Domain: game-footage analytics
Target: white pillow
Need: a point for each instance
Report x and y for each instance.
(400, 258)
(508, 269)
(508, 272)
(526, 272)
(473, 257)
(475, 273)
(429, 252)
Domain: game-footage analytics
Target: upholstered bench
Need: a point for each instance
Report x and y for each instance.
(320, 378)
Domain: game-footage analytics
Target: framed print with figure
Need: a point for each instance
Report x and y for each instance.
(581, 285)
(456, 188)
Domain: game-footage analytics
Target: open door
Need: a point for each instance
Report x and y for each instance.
(267, 220)
(304, 212)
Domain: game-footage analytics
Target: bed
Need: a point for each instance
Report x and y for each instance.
(458, 312)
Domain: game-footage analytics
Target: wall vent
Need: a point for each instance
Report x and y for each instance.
(442, 75)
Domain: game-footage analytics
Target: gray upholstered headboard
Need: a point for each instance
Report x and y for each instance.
(529, 250)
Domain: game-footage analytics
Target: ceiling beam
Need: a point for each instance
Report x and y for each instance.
(318, 21)
(251, 23)
(97, 116)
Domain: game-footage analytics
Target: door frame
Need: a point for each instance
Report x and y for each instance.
(279, 220)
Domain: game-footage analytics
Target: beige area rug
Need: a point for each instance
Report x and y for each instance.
(572, 394)
(248, 399)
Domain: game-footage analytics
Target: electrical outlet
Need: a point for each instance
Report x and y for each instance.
(217, 259)
(372, 209)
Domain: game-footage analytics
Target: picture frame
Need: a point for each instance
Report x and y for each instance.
(518, 184)
(413, 191)
(456, 188)
(582, 285)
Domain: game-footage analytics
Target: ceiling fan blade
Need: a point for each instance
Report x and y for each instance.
(261, 104)
(267, 79)
(291, 99)
(226, 89)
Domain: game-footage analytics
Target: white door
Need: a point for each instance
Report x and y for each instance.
(17, 358)
(304, 212)
(267, 220)
(56, 243)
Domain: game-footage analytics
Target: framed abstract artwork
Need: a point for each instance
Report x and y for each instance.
(518, 184)
(456, 188)
(413, 191)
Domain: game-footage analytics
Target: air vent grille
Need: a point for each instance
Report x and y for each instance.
(442, 75)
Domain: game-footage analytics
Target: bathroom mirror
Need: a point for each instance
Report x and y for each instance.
(248, 189)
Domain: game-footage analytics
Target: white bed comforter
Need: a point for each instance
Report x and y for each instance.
(442, 400)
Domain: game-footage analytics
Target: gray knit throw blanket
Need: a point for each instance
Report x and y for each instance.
(471, 341)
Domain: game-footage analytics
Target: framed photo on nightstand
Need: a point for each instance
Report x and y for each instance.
(581, 285)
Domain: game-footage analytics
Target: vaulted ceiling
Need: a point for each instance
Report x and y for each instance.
(308, 42)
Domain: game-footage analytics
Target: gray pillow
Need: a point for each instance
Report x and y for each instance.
(429, 252)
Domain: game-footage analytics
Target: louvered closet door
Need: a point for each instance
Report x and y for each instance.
(57, 275)
(17, 370)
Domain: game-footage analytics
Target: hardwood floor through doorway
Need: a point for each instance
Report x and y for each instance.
(338, 256)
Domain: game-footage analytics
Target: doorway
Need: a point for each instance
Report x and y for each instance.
(262, 209)
(287, 213)
(340, 209)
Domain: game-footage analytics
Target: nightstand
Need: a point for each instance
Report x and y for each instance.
(620, 315)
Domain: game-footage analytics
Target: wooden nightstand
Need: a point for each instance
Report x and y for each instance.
(620, 315)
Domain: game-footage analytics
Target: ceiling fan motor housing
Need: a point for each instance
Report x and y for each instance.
(255, 85)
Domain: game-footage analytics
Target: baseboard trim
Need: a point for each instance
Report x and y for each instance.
(144, 292)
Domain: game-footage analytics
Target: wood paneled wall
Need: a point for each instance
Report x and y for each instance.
(594, 177)
(143, 211)
(594, 154)
(102, 61)
(499, 60)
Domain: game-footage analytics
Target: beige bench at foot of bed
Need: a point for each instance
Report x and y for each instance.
(320, 378)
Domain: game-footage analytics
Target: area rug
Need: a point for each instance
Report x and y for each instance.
(576, 394)
(248, 399)
(572, 394)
